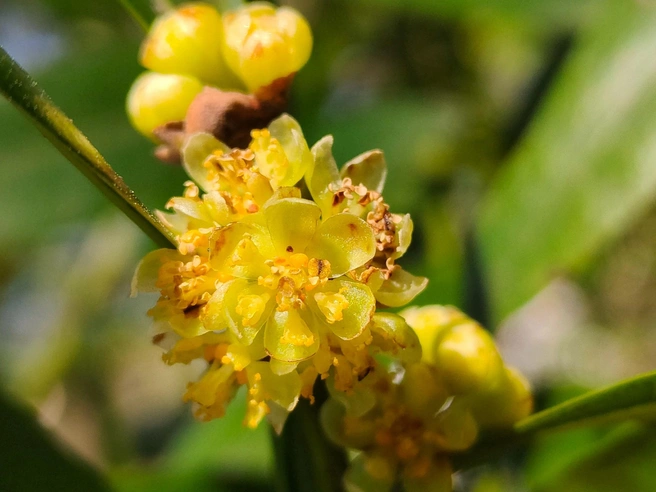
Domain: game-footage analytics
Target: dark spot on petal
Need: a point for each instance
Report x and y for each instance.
(353, 227)
(191, 311)
(158, 338)
(289, 249)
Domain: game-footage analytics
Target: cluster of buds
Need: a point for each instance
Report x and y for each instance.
(285, 263)
(222, 74)
(405, 419)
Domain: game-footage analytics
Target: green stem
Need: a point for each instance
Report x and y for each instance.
(305, 460)
(24, 93)
(135, 14)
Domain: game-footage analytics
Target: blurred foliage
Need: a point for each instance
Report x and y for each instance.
(35, 461)
(587, 160)
(494, 143)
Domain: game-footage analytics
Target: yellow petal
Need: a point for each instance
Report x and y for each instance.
(403, 236)
(288, 132)
(195, 151)
(368, 169)
(392, 335)
(401, 288)
(247, 307)
(345, 305)
(345, 240)
(323, 174)
(281, 389)
(147, 271)
(292, 222)
(288, 337)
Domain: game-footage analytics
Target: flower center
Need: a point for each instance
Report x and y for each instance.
(292, 277)
(186, 284)
(235, 177)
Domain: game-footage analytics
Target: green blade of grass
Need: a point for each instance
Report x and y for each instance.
(24, 93)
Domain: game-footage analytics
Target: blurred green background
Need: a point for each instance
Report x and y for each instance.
(520, 135)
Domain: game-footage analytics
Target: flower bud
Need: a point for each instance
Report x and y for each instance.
(510, 402)
(423, 392)
(262, 43)
(156, 99)
(430, 323)
(468, 359)
(188, 41)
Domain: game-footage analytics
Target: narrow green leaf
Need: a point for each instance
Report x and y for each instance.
(31, 460)
(630, 399)
(23, 92)
(621, 459)
(585, 169)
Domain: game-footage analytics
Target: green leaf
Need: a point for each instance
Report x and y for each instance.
(632, 399)
(622, 459)
(585, 169)
(22, 91)
(32, 460)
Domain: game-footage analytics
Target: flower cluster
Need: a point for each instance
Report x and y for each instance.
(284, 262)
(274, 290)
(406, 418)
(194, 46)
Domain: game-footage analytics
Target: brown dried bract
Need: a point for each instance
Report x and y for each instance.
(229, 116)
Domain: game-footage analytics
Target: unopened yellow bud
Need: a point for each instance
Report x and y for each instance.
(156, 99)
(188, 41)
(506, 404)
(263, 43)
(430, 323)
(423, 392)
(468, 359)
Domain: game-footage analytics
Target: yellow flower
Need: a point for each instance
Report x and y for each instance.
(289, 277)
(266, 286)
(357, 190)
(401, 433)
(407, 416)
